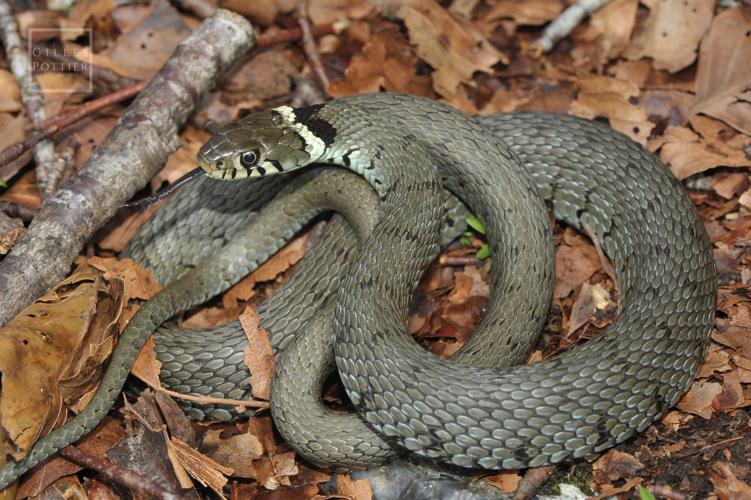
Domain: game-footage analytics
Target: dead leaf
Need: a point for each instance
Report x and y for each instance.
(727, 485)
(609, 30)
(731, 396)
(388, 63)
(672, 33)
(96, 443)
(698, 400)
(452, 46)
(64, 334)
(688, 152)
(142, 51)
(615, 465)
(259, 356)
(88, 14)
(203, 469)
(265, 76)
(575, 262)
(602, 96)
(10, 230)
(272, 269)
(10, 94)
(530, 12)
(240, 450)
(730, 185)
(354, 489)
(590, 299)
(262, 12)
(723, 80)
(507, 482)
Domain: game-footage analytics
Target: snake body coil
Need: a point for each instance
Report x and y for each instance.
(573, 405)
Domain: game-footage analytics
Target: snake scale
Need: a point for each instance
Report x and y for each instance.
(502, 166)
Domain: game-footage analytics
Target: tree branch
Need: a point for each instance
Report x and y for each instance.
(125, 161)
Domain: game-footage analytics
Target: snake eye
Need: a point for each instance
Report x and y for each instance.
(248, 159)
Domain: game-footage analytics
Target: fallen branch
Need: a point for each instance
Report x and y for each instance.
(32, 98)
(51, 126)
(125, 161)
(118, 474)
(564, 24)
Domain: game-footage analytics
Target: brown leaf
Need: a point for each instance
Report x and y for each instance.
(138, 283)
(731, 396)
(575, 262)
(272, 269)
(530, 12)
(612, 98)
(142, 51)
(507, 482)
(85, 13)
(730, 185)
(10, 95)
(354, 489)
(609, 29)
(615, 465)
(387, 62)
(675, 419)
(24, 191)
(109, 432)
(262, 12)
(452, 46)
(723, 80)
(205, 470)
(259, 356)
(10, 230)
(727, 486)
(672, 33)
(12, 130)
(240, 450)
(688, 152)
(590, 299)
(63, 335)
(698, 400)
(717, 361)
(267, 75)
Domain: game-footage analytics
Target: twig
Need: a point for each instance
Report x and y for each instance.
(532, 480)
(32, 98)
(564, 24)
(296, 34)
(708, 447)
(458, 260)
(309, 45)
(51, 126)
(118, 474)
(127, 159)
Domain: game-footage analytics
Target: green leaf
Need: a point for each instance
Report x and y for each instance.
(464, 239)
(645, 494)
(3, 184)
(474, 222)
(484, 252)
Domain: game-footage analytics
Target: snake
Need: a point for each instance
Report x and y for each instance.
(502, 166)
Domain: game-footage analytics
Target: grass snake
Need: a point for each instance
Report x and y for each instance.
(573, 405)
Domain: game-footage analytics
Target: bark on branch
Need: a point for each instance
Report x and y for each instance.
(131, 155)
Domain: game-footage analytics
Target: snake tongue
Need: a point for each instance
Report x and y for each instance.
(150, 200)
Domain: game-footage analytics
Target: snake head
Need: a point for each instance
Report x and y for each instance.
(263, 143)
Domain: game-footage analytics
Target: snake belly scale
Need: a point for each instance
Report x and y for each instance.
(573, 405)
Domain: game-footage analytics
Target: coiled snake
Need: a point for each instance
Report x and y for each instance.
(573, 405)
